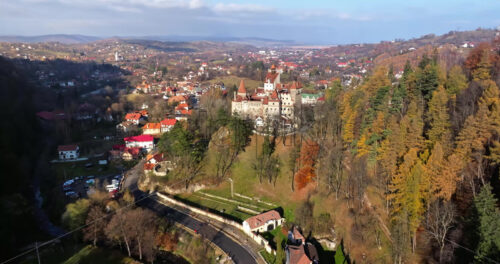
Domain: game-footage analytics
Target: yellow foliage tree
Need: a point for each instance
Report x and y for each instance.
(439, 119)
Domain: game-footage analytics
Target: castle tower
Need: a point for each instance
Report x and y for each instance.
(242, 91)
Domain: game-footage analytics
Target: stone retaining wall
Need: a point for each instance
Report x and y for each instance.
(257, 238)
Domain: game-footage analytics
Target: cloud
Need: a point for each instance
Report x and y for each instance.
(232, 7)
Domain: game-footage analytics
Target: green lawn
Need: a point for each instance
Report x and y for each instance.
(221, 207)
(269, 258)
(91, 255)
(69, 253)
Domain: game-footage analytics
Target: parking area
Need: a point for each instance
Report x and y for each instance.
(81, 187)
(78, 178)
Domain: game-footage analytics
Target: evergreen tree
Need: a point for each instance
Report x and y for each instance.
(427, 80)
(456, 81)
(489, 225)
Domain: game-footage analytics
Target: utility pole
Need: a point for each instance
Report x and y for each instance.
(232, 193)
(37, 254)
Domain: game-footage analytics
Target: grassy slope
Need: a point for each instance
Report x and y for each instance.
(229, 81)
(90, 254)
(247, 183)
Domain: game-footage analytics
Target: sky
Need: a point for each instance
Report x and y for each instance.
(304, 21)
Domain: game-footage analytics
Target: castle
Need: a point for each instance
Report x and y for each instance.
(273, 101)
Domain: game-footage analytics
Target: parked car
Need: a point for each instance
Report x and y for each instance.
(72, 194)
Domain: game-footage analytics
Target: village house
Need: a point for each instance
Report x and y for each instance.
(263, 222)
(298, 250)
(131, 153)
(68, 152)
(167, 124)
(151, 129)
(309, 98)
(142, 141)
(125, 126)
(134, 118)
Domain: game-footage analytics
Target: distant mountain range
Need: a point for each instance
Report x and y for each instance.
(62, 38)
(79, 39)
(450, 37)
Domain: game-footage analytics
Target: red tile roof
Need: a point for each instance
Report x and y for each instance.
(67, 147)
(274, 96)
(298, 255)
(149, 166)
(152, 126)
(168, 122)
(259, 220)
(132, 116)
(271, 77)
(242, 89)
(140, 138)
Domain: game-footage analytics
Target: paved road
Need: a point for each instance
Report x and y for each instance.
(237, 252)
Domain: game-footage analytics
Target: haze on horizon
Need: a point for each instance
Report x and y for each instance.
(312, 22)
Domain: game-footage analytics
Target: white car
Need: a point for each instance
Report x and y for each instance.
(68, 182)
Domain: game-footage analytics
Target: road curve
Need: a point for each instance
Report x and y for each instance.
(237, 252)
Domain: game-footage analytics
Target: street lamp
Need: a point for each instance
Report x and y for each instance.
(232, 193)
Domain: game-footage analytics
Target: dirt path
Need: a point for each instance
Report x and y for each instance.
(382, 225)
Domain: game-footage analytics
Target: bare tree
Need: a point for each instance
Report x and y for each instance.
(142, 225)
(96, 222)
(116, 230)
(440, 219)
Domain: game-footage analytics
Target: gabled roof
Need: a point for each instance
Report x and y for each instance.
(152, 126)
(149, 166)
(297, 255)
(271, 76)
(168, 122)
(140, 138)
(261, 219)
(274, 96)
(132, 116)
(157, 157)
(67, 147)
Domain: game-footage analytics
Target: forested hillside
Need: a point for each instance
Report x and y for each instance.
(421, 155)
(19, 143)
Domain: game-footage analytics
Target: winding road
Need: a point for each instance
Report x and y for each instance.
(237, 252)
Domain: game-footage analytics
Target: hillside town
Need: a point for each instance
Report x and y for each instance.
(143, 151)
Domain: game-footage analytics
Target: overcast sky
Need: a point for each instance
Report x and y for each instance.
(306, 21)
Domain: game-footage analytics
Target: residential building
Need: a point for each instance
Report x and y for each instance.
(167, 124)
(142, 141)
(68, 152)
(309, 98)
(133, 118)
(151, 129)
(298, 250)
(263, 222)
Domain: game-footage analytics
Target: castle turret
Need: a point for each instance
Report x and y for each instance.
(242, 91)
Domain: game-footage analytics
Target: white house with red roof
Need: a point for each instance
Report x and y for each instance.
(141, 141)
(134, 118)
(167, 124)
(68, 152)
(263, 222)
